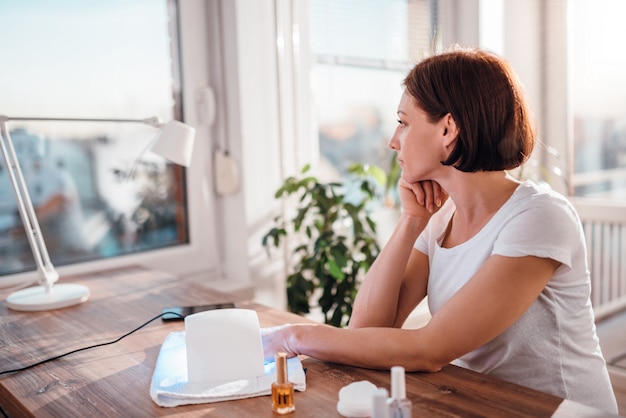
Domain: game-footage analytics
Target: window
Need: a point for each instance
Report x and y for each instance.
(94, 199)
(598, 98)
(361, 53)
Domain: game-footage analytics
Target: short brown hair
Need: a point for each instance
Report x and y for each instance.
(485, 99)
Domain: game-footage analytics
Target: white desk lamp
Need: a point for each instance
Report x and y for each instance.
(174, 141)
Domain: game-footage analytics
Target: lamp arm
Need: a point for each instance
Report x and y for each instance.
(47, 272)
(153, 121)
(131, 171)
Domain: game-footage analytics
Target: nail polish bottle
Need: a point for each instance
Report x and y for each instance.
(282, 389)
(399, 405)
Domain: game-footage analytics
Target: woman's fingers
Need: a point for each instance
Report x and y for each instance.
(421, 195)
(275, 340)
(429, 195)
(418, 191)
(440, 195)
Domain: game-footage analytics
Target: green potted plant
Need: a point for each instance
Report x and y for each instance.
(335, 240)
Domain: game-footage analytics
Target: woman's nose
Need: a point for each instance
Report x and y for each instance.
(394, 143)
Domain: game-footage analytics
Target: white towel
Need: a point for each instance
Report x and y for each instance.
(170, 386)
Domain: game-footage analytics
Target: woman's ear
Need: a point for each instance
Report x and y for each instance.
(450, 131)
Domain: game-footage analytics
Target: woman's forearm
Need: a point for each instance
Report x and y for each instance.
(377, 300)
(346, 346)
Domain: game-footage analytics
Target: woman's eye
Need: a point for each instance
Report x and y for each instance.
(400, 122)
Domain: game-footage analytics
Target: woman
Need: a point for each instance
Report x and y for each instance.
(503, 263)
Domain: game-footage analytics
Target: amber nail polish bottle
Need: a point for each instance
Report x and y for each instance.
(282, 389)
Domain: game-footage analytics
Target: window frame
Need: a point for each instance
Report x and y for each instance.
(199, 257)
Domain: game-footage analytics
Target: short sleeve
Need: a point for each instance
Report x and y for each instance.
(547, 227)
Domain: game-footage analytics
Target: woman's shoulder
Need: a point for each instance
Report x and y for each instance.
(543, 199)
(541, 193)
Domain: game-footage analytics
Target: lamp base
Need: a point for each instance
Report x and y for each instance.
(37, 299)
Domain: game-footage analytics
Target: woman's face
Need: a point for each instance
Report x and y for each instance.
(417, 141)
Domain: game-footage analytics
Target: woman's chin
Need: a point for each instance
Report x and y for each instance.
(406, 177)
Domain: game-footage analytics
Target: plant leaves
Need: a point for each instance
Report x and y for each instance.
(335, 270)
(334, 240)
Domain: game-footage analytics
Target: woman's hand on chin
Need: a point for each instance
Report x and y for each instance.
(421, 199)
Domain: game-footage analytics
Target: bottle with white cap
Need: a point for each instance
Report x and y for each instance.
(380, 409)
(399, 405)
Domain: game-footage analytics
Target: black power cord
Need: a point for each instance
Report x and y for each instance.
(91, 346)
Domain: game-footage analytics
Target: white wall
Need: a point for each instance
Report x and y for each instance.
(275, 128)
(260, 136)
(222, 26)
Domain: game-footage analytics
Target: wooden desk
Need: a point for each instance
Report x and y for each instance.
(114, 381)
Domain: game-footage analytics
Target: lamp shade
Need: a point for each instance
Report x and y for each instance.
(175, 142)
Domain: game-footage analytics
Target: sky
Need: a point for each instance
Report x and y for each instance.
(85, 59)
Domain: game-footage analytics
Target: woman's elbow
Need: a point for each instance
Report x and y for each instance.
(424, 364)
(425, 356)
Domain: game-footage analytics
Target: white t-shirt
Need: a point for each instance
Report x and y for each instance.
(553, 346)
